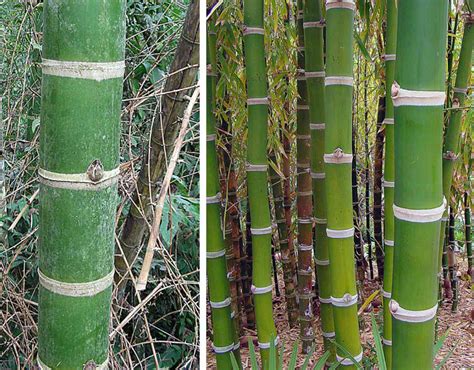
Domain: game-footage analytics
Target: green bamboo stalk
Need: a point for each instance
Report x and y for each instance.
(314, 65)
(467, 232)
(338, 159)
(389, 176)
(452, 262)
(289, 277)
(219, 291)
(304, 196)
(418, 96)
(261, 228)
(451, 141)
(83, 66)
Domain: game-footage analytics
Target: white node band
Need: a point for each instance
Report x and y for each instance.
(216, 254)
(102, 366)
(347, 361)
(338, 4)
(236, 346)
(340, 234)
(88, 289)
(261, 290)
(419, 215)
(386, 342)
(317, 126)
(77, 181)
(389, 57)
(305, 220)
(84, 70)
(305, 247)
(318, 175)
(315, 74)
(221, 304)
(388, 184)
(388, 121)
(215, 199)
(403, 314)
(320, 221)
(444, 219)
(460, 90)
(302, 107)
(325, 300)
(321, 262)
(304, 193)
(222, 350)
(256, 167)
(253, 31)
(339, 158)
(267, 345)
(305, 272)
(303, 137)
(389, 243)
(211, 137)
(385, 294)
(345, 301)
(257, 101)
(316, 24)
(339, 80)
(261, 231)
(403, 97)
(329, 335)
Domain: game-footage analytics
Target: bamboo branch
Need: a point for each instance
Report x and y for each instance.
(143, 277)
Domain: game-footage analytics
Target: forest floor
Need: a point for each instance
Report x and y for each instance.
(460, 339)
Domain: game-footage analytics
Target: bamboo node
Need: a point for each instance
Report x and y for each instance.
(386, 342)
(252, 30)
(330, 334)
(266, 345)
(224, 349)
(389, 243)
(347, 361)
(261, 290)
(403, 314)
(317, 126)
(321, 262)
(221, 304)
(216, 199)
(345, 301)
(403, 97)
(315, 24)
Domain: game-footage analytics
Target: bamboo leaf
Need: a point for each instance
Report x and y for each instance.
(368, 301)
(253, 356)
(235, 365)
(439, 344)
(294, 353)
(307, 358)
(322, 361)
(362, 47)
(348, 355)
(378, 344)
(446, 358)
(272, 360)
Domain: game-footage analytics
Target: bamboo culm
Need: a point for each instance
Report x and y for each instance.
(338, 159)
(418, 96)
(257, 164)
(389, 177)
(83, 67)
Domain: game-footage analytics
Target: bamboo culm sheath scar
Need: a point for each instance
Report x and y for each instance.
(257, 163)
(418, 97)
(338, 159)
(83, 67)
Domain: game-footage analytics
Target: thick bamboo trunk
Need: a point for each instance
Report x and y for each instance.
(314, 65)
(223, 339)
(289, 277)
(257, 166)
(418, 96)
(378, 168)
(338, 159)
(304, 197)
(83, 67)
(180, 81)
(389, 176)
(451, 141)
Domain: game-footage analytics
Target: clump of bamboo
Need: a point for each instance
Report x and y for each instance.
(418, 96)
(338, 159)
(257, 166)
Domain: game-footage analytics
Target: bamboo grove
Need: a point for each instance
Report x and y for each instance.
(339, 137)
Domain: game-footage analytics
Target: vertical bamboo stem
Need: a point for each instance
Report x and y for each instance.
(418, 96)
(338, 159)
